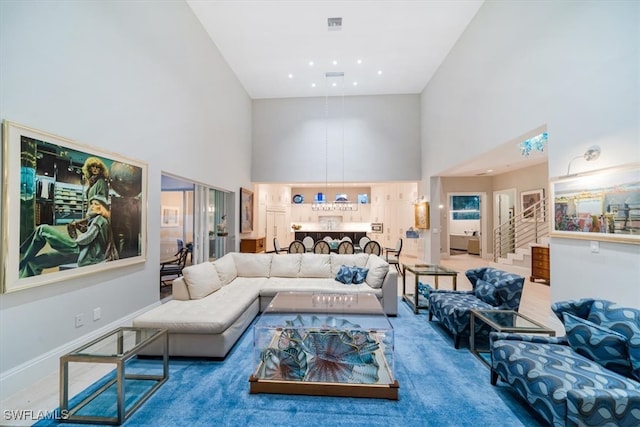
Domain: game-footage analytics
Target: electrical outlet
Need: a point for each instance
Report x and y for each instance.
(96, 314)
(79, 320)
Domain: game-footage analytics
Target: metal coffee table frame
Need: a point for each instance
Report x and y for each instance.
(530, 326)
(424, 270)
(120, 357)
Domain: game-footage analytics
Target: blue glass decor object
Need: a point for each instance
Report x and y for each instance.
(363, 199)
(320, 198)
(538, 143)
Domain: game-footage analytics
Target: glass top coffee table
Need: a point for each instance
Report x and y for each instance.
(412, 296)
(110, 403)
(324, 345)
(503, 321)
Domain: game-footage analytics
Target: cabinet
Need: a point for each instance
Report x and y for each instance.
(252, 245)
(540, 264)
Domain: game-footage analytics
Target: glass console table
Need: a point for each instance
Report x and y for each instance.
(324, 345)
(117, 347)
(503, 321)
(412, 296)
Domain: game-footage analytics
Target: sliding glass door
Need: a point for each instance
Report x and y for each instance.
(205, 219)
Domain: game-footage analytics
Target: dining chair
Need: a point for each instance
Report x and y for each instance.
(363, 241)
(308, 243)
(327, 239)
(346, 247)
(346, 239)
(277, 248)
(321, 247)
(372, 247)
(173, 267)
(392, 255)
(296, 247)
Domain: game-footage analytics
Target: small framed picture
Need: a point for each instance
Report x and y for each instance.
(170, 216)
(530, 205)
(246, 210)
(421, 215)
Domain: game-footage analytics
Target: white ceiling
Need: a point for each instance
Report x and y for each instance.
(265, 41)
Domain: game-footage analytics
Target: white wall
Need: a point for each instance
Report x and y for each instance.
(141, 79)
(381, 139)
(572, 66)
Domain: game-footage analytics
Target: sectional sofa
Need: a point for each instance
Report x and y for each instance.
(215, 302)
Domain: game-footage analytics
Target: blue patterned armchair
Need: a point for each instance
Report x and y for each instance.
(588, 377)
(493, 289)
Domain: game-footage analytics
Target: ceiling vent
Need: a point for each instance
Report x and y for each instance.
(335, 24)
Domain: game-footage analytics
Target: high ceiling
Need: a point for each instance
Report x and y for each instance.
(265, 41)
(384, 47)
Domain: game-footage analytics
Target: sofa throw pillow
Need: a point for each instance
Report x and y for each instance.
(486, 292)
(201, 279)
(602, 345)
(345, 275)
(226, 268)
(378, 269)
(623, 320)
(359, 274)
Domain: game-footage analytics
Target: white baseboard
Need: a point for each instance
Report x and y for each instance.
(28, 373)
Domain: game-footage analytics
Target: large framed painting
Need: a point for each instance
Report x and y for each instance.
(600, 205)
(421, 215)
(68, 209)
(246, 210)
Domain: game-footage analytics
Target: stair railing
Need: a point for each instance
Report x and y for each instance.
(527, 227)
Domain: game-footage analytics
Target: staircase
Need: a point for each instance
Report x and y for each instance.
(514, 238)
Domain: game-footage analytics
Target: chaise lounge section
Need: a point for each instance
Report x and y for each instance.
(588, 377)
(215, 302)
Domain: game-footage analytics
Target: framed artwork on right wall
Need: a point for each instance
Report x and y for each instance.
(599, 205)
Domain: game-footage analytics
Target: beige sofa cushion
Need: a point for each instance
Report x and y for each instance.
(378, 269)
(315, 265)
(226, 268)
(350, 260)
(252, 265)
(286, 265)
(201, 279)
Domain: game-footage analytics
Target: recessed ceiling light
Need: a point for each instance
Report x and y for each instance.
(310, 63)
(334, 84)
(489, 170)
(313, 85)
(355, 83)
(290, 75)
(359, 61)
(335, 62)
(379, 72)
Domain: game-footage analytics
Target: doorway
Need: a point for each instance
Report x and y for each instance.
(195, 216)
(504, 202)
(467, 220)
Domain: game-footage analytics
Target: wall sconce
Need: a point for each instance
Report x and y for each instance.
(592, 153)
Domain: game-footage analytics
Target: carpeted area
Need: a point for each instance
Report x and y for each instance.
(439, 386)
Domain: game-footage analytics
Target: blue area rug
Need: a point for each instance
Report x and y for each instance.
(439, 386)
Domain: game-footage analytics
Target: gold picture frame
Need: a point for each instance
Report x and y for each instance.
(68, 209)
(421, 215)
